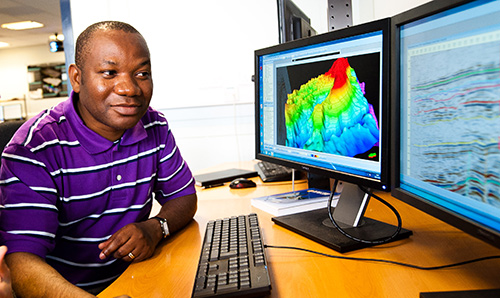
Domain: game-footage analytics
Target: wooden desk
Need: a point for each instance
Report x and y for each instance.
(171, 271)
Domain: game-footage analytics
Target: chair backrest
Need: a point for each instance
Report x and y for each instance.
(7, 130)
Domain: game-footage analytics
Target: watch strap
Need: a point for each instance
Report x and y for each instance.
(163, 225)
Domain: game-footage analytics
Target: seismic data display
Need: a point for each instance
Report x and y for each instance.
(330, 114)
(454, 117)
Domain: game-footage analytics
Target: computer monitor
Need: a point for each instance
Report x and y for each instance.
(293, 23)
(322, 106)
(446, 107)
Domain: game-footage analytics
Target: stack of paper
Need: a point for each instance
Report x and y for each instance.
(294, 202)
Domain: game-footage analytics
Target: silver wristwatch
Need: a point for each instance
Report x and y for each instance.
(163, 225)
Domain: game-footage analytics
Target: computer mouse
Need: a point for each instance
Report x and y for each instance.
(242, 183)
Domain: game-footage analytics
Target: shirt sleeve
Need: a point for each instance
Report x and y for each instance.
(29, 213)
(174, 178)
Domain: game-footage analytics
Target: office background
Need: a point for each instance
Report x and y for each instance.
(202, 54)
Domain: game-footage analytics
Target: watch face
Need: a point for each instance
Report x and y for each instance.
(164, 227)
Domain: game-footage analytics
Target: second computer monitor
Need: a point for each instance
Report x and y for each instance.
(446, 113)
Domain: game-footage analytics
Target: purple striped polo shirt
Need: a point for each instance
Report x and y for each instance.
(64, 188)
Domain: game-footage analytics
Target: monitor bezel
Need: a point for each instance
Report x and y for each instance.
(473, 228)
(288, 10)
(379, 25)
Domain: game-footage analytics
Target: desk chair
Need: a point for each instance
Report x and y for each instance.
(7, 130)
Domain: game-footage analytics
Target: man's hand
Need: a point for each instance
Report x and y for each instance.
(138, 241)
(5, 282)
(135, 241)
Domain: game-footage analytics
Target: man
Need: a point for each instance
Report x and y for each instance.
(77, 181)
(5, 284)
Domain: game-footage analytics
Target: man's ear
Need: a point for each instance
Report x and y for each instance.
(75, 77)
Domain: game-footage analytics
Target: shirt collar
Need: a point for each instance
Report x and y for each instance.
(91, 141)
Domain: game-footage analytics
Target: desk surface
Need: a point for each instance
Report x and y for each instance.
(171, 270)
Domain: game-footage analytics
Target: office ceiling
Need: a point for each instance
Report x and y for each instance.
(47, 12)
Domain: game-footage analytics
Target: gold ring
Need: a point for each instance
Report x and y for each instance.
(131, 255)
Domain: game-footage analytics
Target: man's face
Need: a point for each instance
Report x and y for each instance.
(114, 83)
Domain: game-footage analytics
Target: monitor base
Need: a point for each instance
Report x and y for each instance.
(462, 294)
(316, 226)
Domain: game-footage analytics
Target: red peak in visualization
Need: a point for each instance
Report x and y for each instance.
(330, 114)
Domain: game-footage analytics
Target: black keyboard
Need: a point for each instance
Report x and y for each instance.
(232, 261)
(270, 172)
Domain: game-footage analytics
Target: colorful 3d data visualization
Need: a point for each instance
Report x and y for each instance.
(330, 114)
(454, 99)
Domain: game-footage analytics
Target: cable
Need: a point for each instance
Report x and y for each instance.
(376, 242)
(385, 261)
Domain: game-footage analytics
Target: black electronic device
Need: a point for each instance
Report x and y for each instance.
(239, 183)
(322, 106)
(271, 172)
(56, 46)
(446, 134)
(220, 177)
(232, 261)
(293, 23)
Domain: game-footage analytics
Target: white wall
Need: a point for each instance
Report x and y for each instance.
(388, 8)
(14, 75)
(14, 67)
(202, 56)
(368, 10)
(202, 51)
(212, 135)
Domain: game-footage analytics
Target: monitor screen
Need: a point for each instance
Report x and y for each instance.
(322, 104)
(446, 100)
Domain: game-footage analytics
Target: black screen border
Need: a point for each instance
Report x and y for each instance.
(379, 25)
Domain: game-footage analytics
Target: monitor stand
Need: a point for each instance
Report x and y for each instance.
(317, 226)
(493, 293)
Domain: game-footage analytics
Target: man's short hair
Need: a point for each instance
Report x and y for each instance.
(83, 41)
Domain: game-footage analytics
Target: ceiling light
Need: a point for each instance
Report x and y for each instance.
(22, 25)
(3, 44)
(55, 36)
